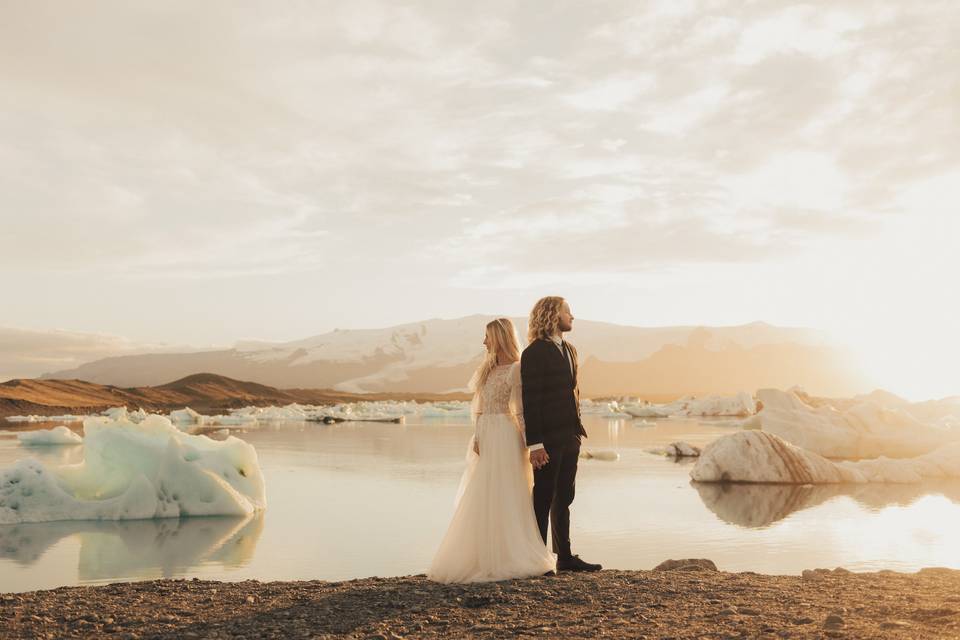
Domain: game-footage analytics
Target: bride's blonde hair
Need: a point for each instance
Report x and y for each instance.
(544, 319)
(504, 343)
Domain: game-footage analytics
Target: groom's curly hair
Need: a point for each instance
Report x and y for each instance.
(544, 318)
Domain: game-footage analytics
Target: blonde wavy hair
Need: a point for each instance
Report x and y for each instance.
(544, 319)
(503, 342)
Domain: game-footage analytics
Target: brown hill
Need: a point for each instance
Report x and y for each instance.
(204, 392)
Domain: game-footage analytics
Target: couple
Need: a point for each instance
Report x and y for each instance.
(527, 430)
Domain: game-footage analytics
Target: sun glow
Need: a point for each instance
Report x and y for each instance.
(904, 285)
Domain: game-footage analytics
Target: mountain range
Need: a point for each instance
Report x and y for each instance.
(438, 356)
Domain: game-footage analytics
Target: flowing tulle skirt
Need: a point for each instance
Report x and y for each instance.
(493, 534)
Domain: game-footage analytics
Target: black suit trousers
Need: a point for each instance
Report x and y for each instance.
(554, 486)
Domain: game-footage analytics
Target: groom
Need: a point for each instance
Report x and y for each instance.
(551, 411)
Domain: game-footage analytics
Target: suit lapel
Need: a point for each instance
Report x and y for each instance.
(569, 362)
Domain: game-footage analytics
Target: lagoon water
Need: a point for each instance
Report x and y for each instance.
(353, 500)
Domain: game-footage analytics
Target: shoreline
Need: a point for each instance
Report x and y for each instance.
(689, 600)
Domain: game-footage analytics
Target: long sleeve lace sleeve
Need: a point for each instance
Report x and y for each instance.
(516, 398)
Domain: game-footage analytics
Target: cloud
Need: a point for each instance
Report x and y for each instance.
(202, 147)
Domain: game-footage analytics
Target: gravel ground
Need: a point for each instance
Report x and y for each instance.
(691, 600)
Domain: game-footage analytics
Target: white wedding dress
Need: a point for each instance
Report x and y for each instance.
(493, 534)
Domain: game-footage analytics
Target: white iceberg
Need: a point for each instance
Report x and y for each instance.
(865, 430)
(610, 410)
(55, 436)
(34, 418)
(757, 456)
(186, 416)
(69, 417)
(741, 404)
(132, 471)
(116, 413)
(346, 411)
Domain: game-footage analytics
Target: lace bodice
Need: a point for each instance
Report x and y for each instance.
(495, 394)
(501, 393)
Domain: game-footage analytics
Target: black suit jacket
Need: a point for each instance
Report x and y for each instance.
(551, 397)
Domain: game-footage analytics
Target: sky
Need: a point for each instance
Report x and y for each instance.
(200, 173)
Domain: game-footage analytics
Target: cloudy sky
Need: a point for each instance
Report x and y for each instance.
(199, 173)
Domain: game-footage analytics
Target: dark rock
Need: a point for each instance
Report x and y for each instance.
(689, 564)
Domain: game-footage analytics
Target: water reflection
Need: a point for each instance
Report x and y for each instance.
(332, 488)
(760, 505)
(138, 548)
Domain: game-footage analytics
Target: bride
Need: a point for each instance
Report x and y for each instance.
(493, 534)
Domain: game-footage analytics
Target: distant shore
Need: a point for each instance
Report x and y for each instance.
(203, 392)
(691, 601)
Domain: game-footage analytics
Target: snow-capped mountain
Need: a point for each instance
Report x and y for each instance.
(439, 355)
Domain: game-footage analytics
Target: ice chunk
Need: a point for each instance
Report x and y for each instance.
(609, 456)
(130, 471)
(116, 413)
(865, 430)
(680, 449)
(57, 435)
(757, 456)
(741, 404)
(186, 416)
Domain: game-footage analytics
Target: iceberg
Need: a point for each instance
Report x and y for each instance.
(132, 471)
(57, 435)
(678, 449)
(757, 456)
(740, 405)
(186, 416)
(761, 457)
(34, 418)
(864, 430)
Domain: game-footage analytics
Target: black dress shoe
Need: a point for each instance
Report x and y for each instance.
(550, 573)
(574, 563)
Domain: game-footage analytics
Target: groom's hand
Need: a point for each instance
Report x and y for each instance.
(539, 458)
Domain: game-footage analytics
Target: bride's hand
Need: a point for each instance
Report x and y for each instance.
(476, 446)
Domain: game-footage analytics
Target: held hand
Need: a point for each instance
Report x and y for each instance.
(476, 446)
(539, 458)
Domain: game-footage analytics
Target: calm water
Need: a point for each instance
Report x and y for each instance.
(354, 500)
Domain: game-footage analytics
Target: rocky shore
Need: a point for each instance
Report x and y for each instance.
(680, 599)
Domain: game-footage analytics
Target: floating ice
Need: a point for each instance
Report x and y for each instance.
(678, 449)
(609, 456)
(116, 413)
(186, 416)
(610, 410)
(363, 410)
(741, 404)
(34, 418)
(865, 430)
(57, 435)
(757, 456)
(131, 471)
